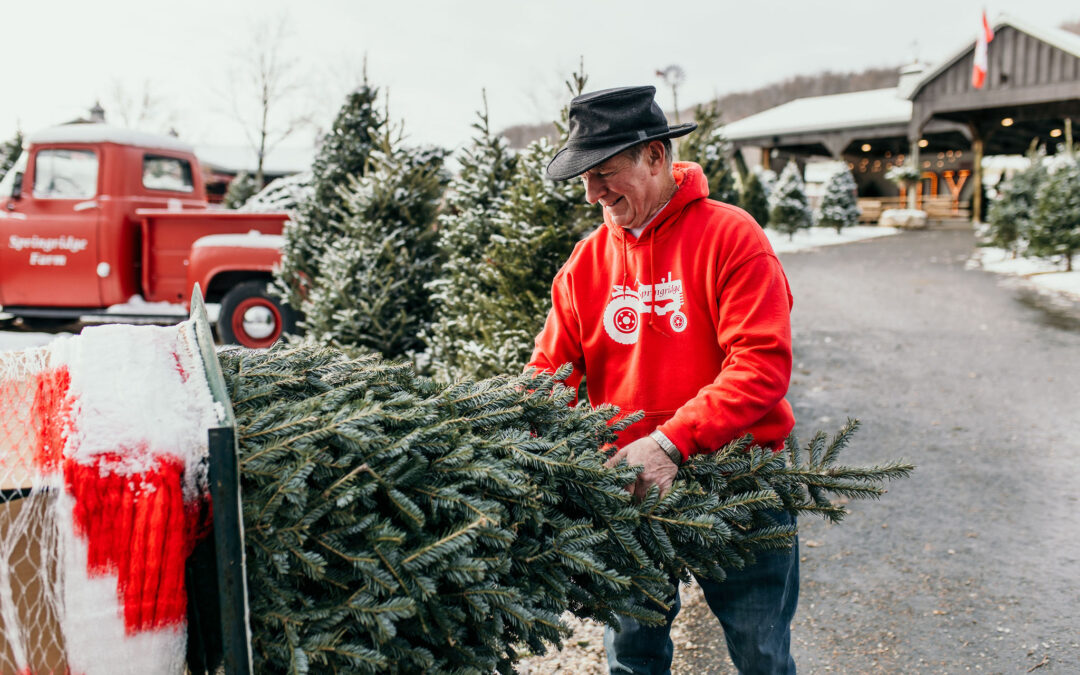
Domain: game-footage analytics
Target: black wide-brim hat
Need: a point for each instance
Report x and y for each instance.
(604, 123)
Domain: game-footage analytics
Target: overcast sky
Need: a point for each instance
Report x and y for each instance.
(434, 57)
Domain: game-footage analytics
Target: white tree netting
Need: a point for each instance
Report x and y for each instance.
(103, 448)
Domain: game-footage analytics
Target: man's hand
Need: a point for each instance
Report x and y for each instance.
(659, 469)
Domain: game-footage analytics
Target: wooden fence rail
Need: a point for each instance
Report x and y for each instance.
(937, 208)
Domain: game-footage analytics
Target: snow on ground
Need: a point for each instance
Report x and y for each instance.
(12, 340)
(825, 236)
(1044, 274)
(136, 305)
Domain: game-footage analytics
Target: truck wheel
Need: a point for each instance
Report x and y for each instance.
(253, 318)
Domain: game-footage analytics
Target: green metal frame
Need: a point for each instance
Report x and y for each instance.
(227, 514)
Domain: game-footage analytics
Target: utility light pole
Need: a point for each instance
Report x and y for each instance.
(673, 76)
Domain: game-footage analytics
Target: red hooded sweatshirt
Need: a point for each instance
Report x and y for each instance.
(688, 322)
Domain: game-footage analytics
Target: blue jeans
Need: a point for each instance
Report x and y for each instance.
(755, 606)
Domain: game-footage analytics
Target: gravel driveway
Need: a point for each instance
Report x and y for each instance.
(973, 564)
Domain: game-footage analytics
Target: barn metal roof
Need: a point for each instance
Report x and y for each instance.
(824, 113)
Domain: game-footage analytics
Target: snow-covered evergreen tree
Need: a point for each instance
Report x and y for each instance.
(768, 180)
(708, 147)
(241, 189)
(789, 211)
(839, 206)
(537, 224)
(755, 198)
(344, 150)
(1009, 215)
(465, 228)
(287, 194)
(317, 226)
(1055, 230)
(9, 153)
(370, 292)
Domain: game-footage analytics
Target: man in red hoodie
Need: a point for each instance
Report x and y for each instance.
(676, 306)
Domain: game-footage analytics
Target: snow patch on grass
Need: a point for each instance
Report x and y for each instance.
(816, 237)
(1045, 275)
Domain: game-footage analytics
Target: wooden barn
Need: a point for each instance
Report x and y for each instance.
(936, 118)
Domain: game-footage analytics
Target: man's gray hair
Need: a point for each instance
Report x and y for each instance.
(634, 152)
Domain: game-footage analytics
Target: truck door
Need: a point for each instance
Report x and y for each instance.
(49, 231)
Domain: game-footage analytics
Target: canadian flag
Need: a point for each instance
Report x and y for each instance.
(978, 72)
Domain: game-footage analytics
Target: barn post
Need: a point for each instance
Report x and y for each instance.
(977, 173)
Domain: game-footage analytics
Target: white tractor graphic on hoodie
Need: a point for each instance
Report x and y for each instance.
(622, 316)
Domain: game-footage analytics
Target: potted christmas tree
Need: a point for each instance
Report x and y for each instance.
(906, 175)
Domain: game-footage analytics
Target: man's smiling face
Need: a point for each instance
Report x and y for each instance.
(630, 191)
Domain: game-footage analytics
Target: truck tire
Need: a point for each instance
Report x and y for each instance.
(252, 317)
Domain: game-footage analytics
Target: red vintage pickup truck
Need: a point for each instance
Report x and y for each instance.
(112, 223)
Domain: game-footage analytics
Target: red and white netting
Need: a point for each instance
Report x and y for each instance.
(103, 460)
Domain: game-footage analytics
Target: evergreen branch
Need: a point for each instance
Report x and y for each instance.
(447, 539)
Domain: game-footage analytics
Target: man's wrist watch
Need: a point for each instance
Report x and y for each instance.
(667, 446)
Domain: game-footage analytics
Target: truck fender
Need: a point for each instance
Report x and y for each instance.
(231, 254)
(236, 270)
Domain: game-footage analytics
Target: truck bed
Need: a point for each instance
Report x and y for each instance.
(167, 237)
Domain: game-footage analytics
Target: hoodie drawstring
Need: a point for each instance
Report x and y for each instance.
(625, 266)
(652, 277)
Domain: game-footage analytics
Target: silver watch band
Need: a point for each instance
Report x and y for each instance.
(667, 446)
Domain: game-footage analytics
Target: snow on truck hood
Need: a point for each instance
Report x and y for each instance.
(253, 239)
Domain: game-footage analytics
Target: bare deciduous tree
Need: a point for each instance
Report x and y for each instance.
(140, 107)
(263, 87)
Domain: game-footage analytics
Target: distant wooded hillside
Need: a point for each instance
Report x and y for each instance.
(741, 104)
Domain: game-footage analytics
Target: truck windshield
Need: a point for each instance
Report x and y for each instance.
(8, 181)
(60, 173)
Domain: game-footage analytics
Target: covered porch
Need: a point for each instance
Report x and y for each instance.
(934, 119)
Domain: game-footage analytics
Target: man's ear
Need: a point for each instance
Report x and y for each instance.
(657, 161)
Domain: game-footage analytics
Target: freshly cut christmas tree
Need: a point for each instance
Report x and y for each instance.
(789, 211)
(398, 525)
(839, 208)
(287, 193)
(476, 195)
(708, 147)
